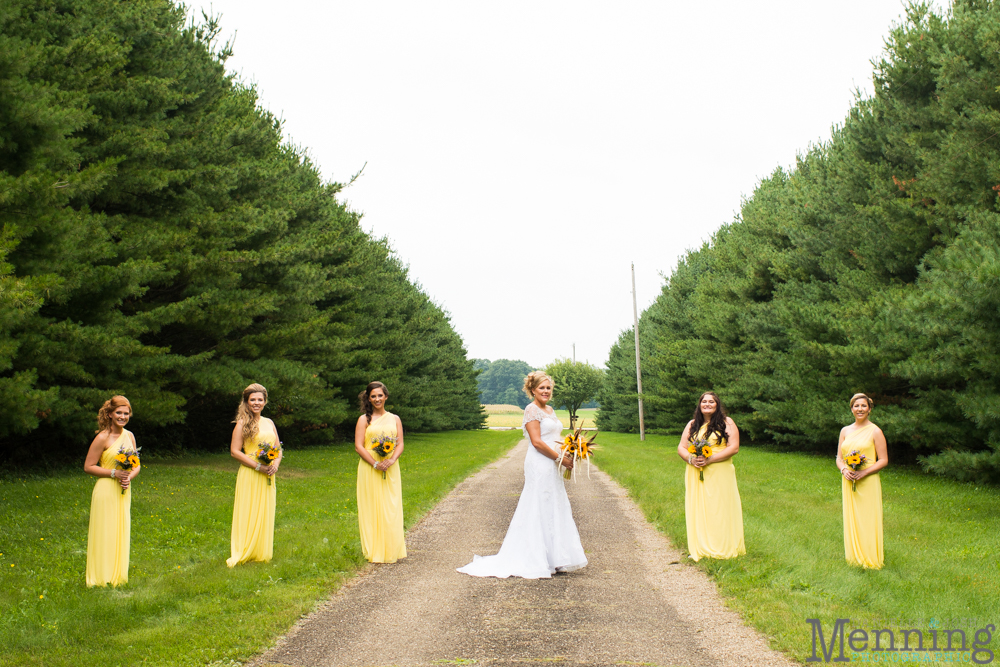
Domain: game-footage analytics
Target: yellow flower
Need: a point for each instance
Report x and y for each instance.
(121, 458)
(853, 460)
(691, 449)
(388, 446)
(271, 455)
(134, 460)
(568, 440)
(706, 451)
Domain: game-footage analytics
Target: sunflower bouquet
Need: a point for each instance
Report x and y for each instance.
(382, 446)
(268, 454)
(855, 461)
(580, 448)
(700, 447)
(127, 460)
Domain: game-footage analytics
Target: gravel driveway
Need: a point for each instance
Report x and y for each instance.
(636, 603)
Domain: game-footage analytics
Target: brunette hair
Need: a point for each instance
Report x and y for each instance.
(364, 398)
(868, 400)
(717, 422)
(108, 409)
(245, 416)
(534, 379)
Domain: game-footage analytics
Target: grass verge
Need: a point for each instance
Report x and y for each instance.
(182, 605)
(942, 548)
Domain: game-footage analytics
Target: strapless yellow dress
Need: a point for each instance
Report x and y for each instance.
(380, 501)
(252, 537)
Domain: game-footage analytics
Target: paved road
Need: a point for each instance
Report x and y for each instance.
(636, 603)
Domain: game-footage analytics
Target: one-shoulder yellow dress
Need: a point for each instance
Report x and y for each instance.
(862, 504)
(713, 509)
(380, 500)
(252, 537)
(108, 538)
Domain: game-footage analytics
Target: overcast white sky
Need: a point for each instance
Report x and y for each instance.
(520, 155)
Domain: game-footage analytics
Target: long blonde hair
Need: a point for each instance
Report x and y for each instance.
(245, 416)
(108, 409)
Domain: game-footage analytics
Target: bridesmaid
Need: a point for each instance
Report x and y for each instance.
(110, 509)
(380, 491)
(862, 489)
(712, 507)
(253, 511)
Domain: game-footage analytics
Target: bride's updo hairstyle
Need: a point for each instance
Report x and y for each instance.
(869, 401)
(104, 414)
(534, 379)
(365, 398)
(245, 416)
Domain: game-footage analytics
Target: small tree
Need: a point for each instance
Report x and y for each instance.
(576, 383)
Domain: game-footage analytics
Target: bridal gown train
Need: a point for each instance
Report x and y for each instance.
(542, 537)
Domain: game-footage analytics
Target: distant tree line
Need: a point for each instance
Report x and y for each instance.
(501, 382)
(873, 266)
(161, 240)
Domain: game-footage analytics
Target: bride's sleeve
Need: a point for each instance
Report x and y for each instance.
(532, 414)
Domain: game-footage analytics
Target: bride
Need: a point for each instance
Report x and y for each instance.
(542, 538)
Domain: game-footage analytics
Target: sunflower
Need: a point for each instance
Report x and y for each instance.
(568, 440)
(272, 454)
(121, 458)
(691, 449)
(388, 446)
(853, 460)
(706, 451)
(133, 460)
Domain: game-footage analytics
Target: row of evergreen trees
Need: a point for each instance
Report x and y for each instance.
(161, 240)
(873, 266)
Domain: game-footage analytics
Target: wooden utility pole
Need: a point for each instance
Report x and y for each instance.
(574, 353)
(638, 365)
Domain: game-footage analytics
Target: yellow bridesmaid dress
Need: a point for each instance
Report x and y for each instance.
(252, 537)
(862, 507)
(713, 510)
(110, 523)
(380, 501)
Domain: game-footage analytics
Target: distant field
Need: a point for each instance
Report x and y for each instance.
(510, 415)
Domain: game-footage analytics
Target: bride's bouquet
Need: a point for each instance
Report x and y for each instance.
(580, 448)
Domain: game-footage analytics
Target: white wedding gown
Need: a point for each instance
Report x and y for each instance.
(542, 537)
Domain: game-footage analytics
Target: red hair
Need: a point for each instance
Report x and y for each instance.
(108, 409)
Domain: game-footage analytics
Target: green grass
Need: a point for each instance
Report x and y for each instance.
(182, 605)
(942, 544)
